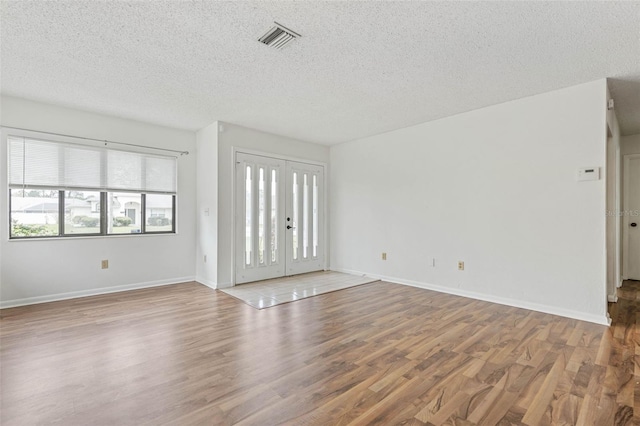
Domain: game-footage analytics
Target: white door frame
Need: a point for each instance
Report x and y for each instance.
(618, 208)
(235, 150)
(614, 244)
(626, 219)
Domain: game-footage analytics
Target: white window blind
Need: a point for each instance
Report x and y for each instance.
(37, 163)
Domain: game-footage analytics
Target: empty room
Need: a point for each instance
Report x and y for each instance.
(319, 213)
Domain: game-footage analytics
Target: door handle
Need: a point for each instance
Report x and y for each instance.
(633, 225)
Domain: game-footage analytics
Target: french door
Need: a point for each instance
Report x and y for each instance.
(279, 218)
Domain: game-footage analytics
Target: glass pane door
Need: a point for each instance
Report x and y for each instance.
(259, 205)
(305, 250)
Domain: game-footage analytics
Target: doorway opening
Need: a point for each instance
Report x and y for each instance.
(631, 218)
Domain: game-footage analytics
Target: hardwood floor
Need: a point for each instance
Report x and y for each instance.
(376, 354)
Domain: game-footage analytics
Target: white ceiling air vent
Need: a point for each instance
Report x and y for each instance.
(278, 36)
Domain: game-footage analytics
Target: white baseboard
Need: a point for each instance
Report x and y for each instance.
(582, 316)
(212, 284)
(207, 283)
(613, 298)
(91, 292)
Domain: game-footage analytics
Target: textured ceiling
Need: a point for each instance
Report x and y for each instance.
(360, 68)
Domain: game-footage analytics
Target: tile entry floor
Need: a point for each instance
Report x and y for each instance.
(264, 294)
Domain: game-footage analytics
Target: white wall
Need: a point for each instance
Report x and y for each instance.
(231, 136)
(495, 188)
(630, 144)
(33, 271)
(207, 205)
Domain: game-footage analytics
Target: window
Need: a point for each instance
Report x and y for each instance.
(79, 216)
(159, 212)
(34, 213)
(124, 212)
(61, 189)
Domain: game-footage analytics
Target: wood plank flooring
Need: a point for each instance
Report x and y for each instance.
(375, 354)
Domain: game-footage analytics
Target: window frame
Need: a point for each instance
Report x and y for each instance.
(61, 214)
(104, 217)
(145, 218)
(10, 225)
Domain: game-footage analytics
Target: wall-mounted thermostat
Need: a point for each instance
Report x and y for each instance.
(589, 173)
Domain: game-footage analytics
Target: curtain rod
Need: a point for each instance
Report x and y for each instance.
(106, 141)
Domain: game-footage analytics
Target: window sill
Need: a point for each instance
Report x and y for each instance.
(93, 237)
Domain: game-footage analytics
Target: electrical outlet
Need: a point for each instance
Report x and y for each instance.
(105, 264)
(460, 265)
(384, 256)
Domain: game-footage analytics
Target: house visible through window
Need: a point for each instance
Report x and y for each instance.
(79, 216)
(61, 189)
